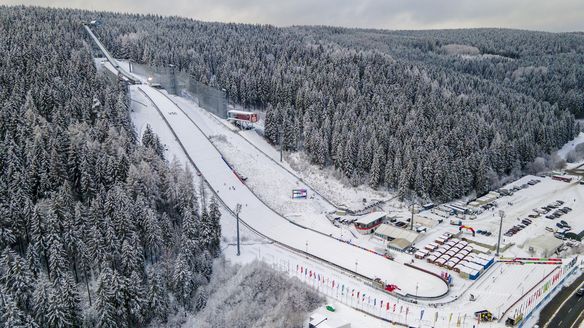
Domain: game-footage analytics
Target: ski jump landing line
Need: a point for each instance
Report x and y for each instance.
(269, 223)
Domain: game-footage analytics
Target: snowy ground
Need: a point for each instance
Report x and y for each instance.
(498, 286)
(269, 223)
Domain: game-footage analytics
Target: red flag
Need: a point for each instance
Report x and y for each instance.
(394, 307)
(387, 308)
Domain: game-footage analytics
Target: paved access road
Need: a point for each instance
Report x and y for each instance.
(571, 314)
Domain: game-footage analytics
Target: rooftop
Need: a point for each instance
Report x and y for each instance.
(371, 217)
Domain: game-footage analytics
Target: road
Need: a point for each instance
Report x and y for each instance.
(571, 313)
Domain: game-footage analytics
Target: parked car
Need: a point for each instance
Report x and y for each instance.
(525, 185)
(563, 222)
(533, 216)
(560, 236)
(559, 225)
(561, 202)
(580, 292)
(567, 209)
(549, 229)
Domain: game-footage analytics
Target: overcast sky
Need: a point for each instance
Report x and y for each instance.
(546, 15)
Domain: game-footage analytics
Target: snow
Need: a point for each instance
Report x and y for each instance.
(255, 213)
(495, 289)
(563, 152)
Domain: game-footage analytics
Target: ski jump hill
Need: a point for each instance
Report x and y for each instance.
(258, 216)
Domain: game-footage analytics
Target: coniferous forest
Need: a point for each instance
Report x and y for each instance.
(97, 229)
(430, 114)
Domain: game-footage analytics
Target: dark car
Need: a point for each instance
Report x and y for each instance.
(563, 222)
(400, 224)
(580, 292)
(567, 209)
(560, 201)
(559, 225)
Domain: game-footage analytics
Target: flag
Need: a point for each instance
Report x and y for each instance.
(334, 284)
(407, 310)
(387, 306)
(393, 307)
(381, 303)
(297, 267)
(436, 316)
(421, 314)
(374, 301)
(401, 309)
(450, 318)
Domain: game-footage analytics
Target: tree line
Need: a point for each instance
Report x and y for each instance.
(429, 114)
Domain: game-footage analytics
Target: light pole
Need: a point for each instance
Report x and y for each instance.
(501, 215)
(307, 246)
(172, 78)
(281, 143)
(356, 263)
(416, 291)
(237, 210)
(412, 218)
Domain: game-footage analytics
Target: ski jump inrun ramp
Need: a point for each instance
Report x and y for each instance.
(267, 222)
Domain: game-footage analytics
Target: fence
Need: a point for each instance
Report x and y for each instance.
(180, 83)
